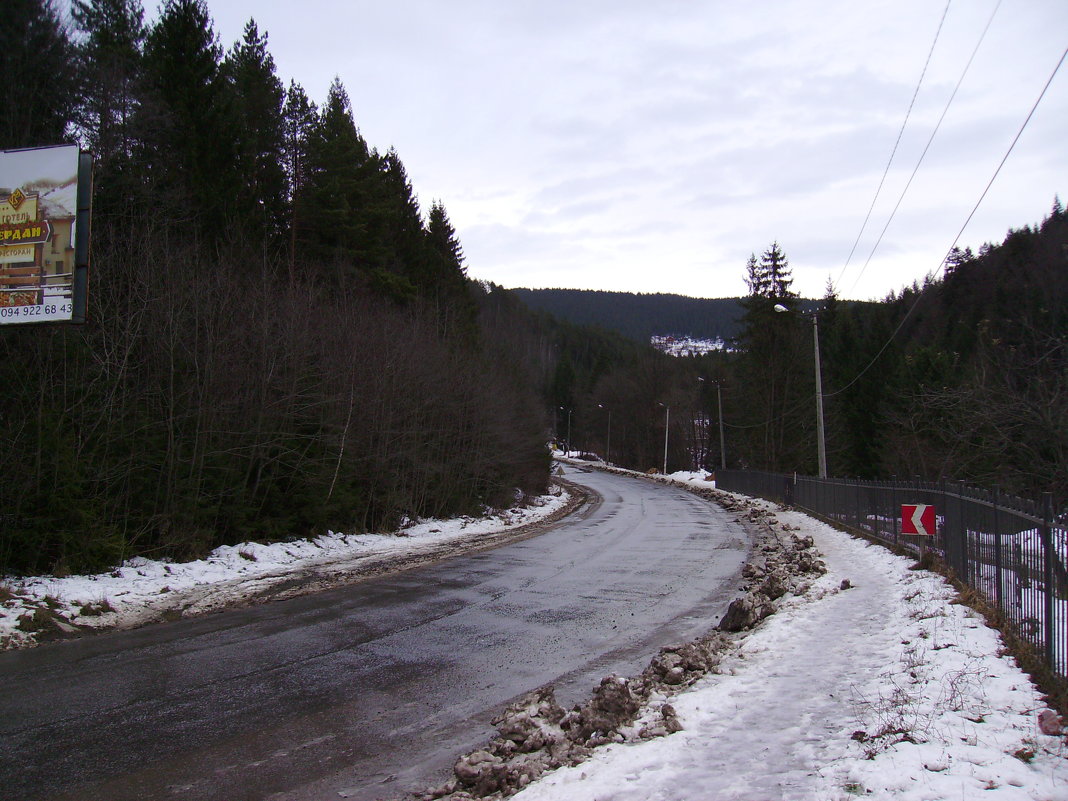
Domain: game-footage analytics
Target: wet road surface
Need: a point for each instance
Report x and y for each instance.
(370, 690)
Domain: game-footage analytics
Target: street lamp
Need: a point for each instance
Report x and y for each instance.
(722, 448)
(568, 428)
(667, 427)
(608, 444)
(821, 444)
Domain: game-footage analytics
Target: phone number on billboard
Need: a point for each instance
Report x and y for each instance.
(44, 311)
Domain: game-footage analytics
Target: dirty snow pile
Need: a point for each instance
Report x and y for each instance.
(535, 735)
(871, 683)
(142, 590)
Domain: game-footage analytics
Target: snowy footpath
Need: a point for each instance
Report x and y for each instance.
(882, 689)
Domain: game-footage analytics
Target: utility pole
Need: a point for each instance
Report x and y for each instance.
(820, 439)
(821, 444)
(667, 427)
(608, 444)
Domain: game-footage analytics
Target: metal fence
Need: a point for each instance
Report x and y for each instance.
(1013, 551)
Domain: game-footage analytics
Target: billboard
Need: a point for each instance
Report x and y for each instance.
(45, 198)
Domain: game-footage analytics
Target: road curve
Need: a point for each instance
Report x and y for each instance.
(369, 690)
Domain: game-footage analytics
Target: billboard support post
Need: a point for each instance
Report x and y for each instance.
(81, 241)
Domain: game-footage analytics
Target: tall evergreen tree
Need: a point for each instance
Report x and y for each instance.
(114, 32)
(299, 120)
(334, 190)
(777, 276)
(443, 239)
(769, 363)
(397, 223)
(41, 78)
(257, 100)
(456, 307)
(300, 116)
(188, 135)
(755, 278)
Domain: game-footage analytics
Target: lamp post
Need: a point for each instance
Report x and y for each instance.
(722, 448)
(667, 427)
(608, 444)
(568, 444)
(719, 410)
(821, 444)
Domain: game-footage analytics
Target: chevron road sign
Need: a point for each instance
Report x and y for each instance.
(918, 518)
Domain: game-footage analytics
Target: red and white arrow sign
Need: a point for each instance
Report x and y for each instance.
(918, 518)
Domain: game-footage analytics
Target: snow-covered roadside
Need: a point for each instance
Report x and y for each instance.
(144, 590)
(884, 689)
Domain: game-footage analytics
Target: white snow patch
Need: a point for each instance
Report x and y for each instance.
(141, 589)
(884, 690)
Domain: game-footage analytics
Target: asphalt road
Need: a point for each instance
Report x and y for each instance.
(373, 689)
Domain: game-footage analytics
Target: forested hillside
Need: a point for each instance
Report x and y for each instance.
(977, 378)
(281, 339)
(964, 378)
(640, 316)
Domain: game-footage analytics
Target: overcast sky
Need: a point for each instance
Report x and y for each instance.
(652, 146)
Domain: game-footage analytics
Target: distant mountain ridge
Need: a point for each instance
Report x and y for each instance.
(640, 316)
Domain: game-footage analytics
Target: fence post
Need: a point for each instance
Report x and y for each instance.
(895, 510)
(965, 539)
(951, 533)
(998, 587)
(1047, 575)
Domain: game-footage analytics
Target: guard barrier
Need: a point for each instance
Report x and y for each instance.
(1011, 550)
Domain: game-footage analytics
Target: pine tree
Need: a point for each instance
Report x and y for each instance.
(397, 223)
(334, 192)
(442, 238)
(958, 257)
(188, 136)
(111, 54)
(755, 278)
(300, 116)
(299, 120)
(41, 77)
(776, 273)
(456, 307)
(770, 344)
(256, 96)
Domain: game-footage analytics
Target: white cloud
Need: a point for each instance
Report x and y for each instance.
(578, 144)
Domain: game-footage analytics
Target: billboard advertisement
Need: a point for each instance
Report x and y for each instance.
(44, 210)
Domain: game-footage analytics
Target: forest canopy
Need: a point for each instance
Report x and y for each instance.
(282, 339)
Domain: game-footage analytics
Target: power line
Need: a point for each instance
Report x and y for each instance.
(949, 251)
(927, 147)
(956, 239)
(893, 151)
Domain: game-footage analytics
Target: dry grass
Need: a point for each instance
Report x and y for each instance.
(102, 607)
(1027, 657)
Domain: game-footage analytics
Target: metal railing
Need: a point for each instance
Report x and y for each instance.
(1012, 550)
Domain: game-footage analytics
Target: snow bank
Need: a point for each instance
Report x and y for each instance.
(141, 590)
(873, 684)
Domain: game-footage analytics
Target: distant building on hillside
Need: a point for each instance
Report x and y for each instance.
(685, 346)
